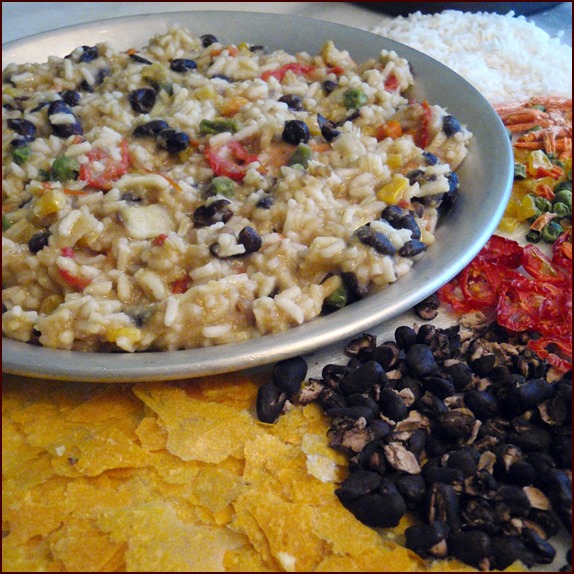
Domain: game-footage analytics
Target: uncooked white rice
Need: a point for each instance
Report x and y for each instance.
(504, 57)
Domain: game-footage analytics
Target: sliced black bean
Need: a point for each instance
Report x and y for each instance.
(407, 221)
(296, 132)
(88, 54)
(329, 86)
(23, 127)
(270, 402)
(139, 59)
(182, 65)
(207, 40)
(63, 130)
(450, 125)
(375, 239)
(71, 97)
(173, 140)
(151, 128)
(412, 248)
(428, 308)
(387, 354)
(39, 240)
(219, 210)
(142, 100)
(289, 374)
(293, 102)
(328, 128)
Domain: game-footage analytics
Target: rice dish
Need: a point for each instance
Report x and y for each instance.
(194, 193)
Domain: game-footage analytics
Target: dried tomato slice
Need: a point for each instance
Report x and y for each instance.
(554, 350)
(230, 160)
(540, 266)
(295, 67)
(562, 250)
(502, 251)
(452, 294)
(112, 168)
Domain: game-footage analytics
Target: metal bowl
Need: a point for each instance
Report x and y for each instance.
(485, 177)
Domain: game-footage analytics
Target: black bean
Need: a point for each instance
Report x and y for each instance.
(142, 100)
(427, 540)
(535, 438)
(482, 365)
(219, 210)
(439, 386)
(382, 509)
(182, 65)
(456, 425)
(392, 214)
(207, 40)
(265, 202)
(544, 552)
(173, 140)
(413, 490)
(482, 404)
(405, 337)
(392, 405)
(363, 345)
(511, 502)
(443, 505)
(430, 158)
(333, 374)
(151, 128)
(295, 132)
(63, 130)
(331, 399)
(39, 240)
(250, 239)
(270, 402)
(460, 374)
(462, 460)
(387, 355)
(420, 360)
(293, 102)
(521, 473)
(478, 513)
(71, 97)
(428, 308)
(450, 125)
(375, 239)
(23, 127)
(561, 449)
(407, 221)
(289, 374)
(546, 522)
(88, 54)
(328, 128)
(139, 59)
(471, 547)
(412, 248)
(363, 379)
(527, 396)
(410, 383)
(415, 176)
(351, 412)
(329, 86)
(358, 484)
(509, 549)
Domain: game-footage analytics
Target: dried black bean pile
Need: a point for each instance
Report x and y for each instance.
(467, 429)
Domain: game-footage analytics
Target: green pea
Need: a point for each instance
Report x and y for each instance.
(222, 185)
(564, 196)
(533, 236)
(542, 204)
(551, 232)
(21, 154)
(65, 169)
(561, 209)
(354, 98)
(43, 175)
(519, 171)
(563, 185)
(217, 126)
(6, 223)
(300, 156)
(337, 299)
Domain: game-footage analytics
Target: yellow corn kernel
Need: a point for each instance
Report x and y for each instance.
(313, 126)
(536, 160)
(50, 304)
(512, 207)
(21, 231)
(156, 73)
(204, 93)
(232, 106)
(243, 47)
(508, 224)
(392, 192)
(394, 160)
(51, 202)
(527, 208)
(369, 131)
(132, 334)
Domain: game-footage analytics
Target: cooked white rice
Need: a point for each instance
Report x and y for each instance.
(504, 57)
(124, 254)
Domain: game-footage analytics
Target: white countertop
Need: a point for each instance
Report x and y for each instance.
(21, 19)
